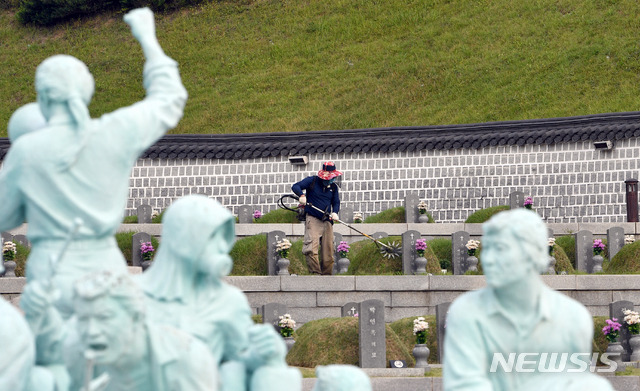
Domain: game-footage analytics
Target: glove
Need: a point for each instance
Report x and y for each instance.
(334, 216)
(302, 200)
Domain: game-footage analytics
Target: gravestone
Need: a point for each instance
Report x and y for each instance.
(459, 251)
(272, 255)
(346, 213)
(409, 251)
(615, 311)
(411, 202)
(350, 309)
(380, 235)
(337, 238)
(245, 214)
(6, 237)
(373, 349)
(271, 313)
(516, 200)
(144, 214)
(615, 240)
(441, 322)
(137, 239)
(584, 251)
(22, 239)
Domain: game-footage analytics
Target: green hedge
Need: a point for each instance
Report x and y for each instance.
(50, 12)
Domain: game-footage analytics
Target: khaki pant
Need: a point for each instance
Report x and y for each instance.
(314, 230)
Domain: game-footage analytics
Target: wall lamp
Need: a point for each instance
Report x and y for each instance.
(298, 160)
(603, 145)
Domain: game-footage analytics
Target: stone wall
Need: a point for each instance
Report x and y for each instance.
(570, 182)
(310, 297)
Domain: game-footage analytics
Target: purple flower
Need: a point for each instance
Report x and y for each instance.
(257, 214)
(343, 249)
(598, 247)
(528, 201)
(421, 244)
(611, 330)
(147, 250)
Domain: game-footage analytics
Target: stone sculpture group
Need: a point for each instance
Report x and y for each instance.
(88, 324)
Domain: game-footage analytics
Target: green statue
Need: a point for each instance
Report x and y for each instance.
(77, 167)
(185, 289)
(517, 319)
(137, 355)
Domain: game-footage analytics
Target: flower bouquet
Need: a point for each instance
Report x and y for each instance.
(147, 251)
(286, 325)
(420, 327)
(628, 239)
(551, 242)
(528, 203)
(256, 215)
(472, 246)
(343, 249)
(612, 330)
(357, 217)
(422, 207)
(9, 251)
(632, 319)
(282, 247)
(598, 247)
(421, 246)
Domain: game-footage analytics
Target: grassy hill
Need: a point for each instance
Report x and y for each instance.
(279, 65)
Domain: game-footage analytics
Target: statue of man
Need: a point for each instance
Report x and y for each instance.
(137, 355)
(515, 315)
(78, 167)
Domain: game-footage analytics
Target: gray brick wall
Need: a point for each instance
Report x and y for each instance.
(570, 182)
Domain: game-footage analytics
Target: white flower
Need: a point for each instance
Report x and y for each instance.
(283, 244)
(631, 317)
(357, 216)
(473, 244)
(286, 321)
(551, 242)
(9, 246)
(422, 205)
(628, 239)
(155, 214)
(419, 325)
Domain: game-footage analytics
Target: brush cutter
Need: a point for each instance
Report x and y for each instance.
(391, 250)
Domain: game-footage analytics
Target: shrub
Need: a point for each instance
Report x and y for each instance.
(485, 214)
(568, 244)
(627, 260)
(335, 341)
(441, 248)
(281, 216)
(250, 257)
(404, 330)
(393, 215)
(367, 259)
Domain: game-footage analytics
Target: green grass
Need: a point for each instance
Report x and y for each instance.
(335, 341)
(483, 215)
(250, 257)
(393, 215)
(281, 216)
(626, 261)
(568, 244)
(269, 66)
(441, 248)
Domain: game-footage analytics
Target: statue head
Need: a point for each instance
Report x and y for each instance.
(341, 378)
(110, 312)
(514, 244)
(24, 120)
(199, 231)
(63, 79)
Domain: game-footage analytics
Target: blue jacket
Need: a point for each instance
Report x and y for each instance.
(324, 197)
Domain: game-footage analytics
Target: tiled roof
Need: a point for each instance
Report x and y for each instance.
(598, 127)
